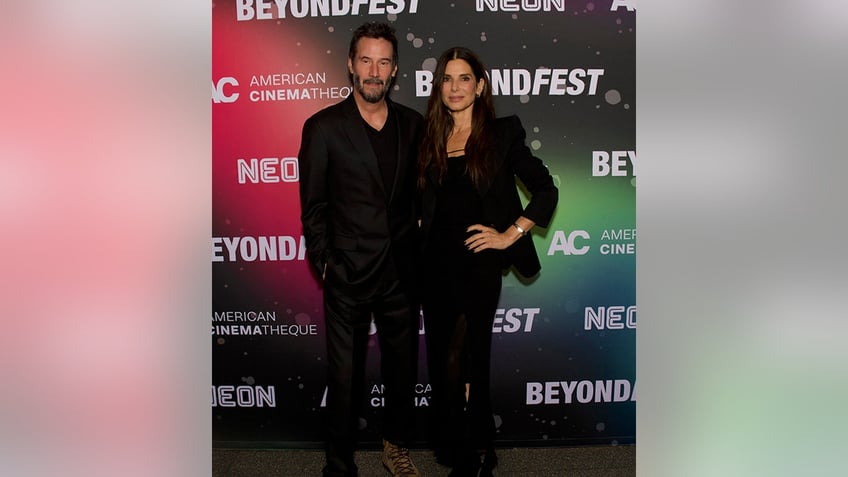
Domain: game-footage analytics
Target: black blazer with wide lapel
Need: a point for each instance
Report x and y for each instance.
(501, 203)
(360, 231)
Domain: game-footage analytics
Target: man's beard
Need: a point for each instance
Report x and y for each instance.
(371, 97)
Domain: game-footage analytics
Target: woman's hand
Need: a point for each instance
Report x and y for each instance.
(487, 237)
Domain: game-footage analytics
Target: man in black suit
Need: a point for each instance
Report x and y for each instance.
(357, 191)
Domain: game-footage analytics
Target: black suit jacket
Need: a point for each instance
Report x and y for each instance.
(362, 232)
(499, 194)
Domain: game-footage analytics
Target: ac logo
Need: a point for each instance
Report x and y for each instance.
(218, 94)
(568, 244)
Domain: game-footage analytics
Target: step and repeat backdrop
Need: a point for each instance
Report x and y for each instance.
(564, 348)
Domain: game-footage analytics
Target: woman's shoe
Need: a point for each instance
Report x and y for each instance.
(467, 465)
(490, 461)
(445, 456)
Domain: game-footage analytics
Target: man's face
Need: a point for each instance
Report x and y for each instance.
(372, 68)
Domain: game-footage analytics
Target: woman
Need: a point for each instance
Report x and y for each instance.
(473, 227)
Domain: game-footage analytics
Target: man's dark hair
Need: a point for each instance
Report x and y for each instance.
(374, 30)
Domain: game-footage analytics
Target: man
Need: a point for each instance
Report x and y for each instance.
(357, 190)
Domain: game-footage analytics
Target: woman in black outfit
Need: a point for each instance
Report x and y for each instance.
(473, 227)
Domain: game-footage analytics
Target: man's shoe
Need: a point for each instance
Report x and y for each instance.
(397, 460)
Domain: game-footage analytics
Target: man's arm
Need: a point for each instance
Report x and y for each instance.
(313, 165)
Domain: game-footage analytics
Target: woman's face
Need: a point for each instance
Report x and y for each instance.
(459, 86)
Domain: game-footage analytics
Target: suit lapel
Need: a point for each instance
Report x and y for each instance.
(483, 188)
(400, 165)
(358, 136)
(500, 160)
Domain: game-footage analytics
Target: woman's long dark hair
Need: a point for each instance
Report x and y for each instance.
(439, 123)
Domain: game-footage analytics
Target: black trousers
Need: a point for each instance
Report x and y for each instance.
(459, 309)
(396, 316)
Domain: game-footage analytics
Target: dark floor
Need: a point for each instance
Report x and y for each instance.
(594, 461)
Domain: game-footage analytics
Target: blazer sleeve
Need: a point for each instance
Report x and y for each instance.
(312, 168)
(533, 174)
